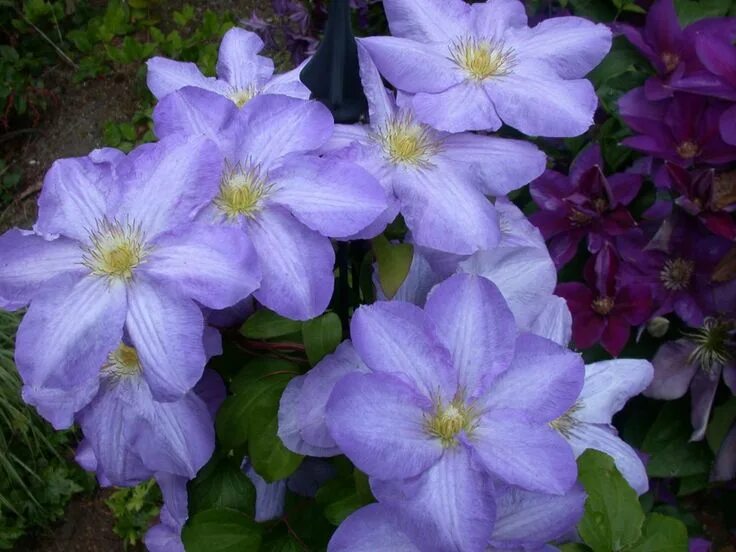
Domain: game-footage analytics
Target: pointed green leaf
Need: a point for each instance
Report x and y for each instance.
(221, 530)
(393, 261)
(321, 336)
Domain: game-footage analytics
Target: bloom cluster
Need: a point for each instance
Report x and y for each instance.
(674, 259)
(457, 396)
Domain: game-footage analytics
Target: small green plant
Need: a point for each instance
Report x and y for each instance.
(36, 478)
(134, 509)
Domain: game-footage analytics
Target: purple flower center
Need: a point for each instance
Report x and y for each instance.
(688, 149)
(115, 249)
(602, 305)
(677, 273)
(482, 59)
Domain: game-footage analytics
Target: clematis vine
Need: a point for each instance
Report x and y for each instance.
(584, 204)
(474, 67)
(241, 73)
(115, 258)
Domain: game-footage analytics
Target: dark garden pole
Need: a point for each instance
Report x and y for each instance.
(333, 76)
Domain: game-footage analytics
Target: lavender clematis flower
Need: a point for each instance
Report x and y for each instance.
(126, 263)
(684, 129)
(472, 67)
(440, 180)
(440, 411)
(242, 73)
(672, 51)
(305, 481)
(696, 362)
(608, 385)
(166, 535)
(133, 436)
(525, 521)
(602, 308)
(585, 203)
(275, 190)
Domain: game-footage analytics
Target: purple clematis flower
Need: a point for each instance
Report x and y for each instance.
(277, 191)
(242, 73)
(677, 266)
(585, 203)
(718, 54)
(672, 51)
(439, 180)
(684, 129)
(117, 257)
(705, 194)
(602, 308)
(697, 362)
(524, 521)
(431, 405)
(474, 67)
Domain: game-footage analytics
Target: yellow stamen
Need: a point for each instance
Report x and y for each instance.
(404, 141)
(242, 191)
(481, 59)
(115, 249)
(448, 421)
(242, 96)
(122, 362)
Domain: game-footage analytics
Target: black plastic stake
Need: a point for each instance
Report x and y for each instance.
(333, 76)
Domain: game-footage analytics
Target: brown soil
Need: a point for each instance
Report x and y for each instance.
(87, 527)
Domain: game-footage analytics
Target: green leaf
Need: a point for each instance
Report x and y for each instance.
(221, 530)
(597, 10)
(265, 324)
(222, 484)
(662, 534)
(723, 418)
(689, 11)
(393, 261)
(613, 516)
(321, 336)
(668, 443)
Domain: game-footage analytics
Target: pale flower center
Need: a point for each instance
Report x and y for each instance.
(714, 343)
(241, 96)
(603, 305)
(566, 423)
(122, 362)
(406, 142)
(242, 191)
(688, 149)
(482, 59)
(677, 273)
(448, 421)
(670, 61)
(115, 249)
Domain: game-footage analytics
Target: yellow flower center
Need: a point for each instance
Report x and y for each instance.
(566, 423)
(603, 305)
(122, 362)
(242, 191)
(115, 249)
(481, 59)
(448, 421)
(677, 273)
(242, 96)
(407, 142)
(670, 60)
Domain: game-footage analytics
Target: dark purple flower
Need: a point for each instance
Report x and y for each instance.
(705, 194)
(671, 50)
(585, 203)
(719, 56)
(684, 129)
(696, 362)
(677, 265)
(603, 309)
